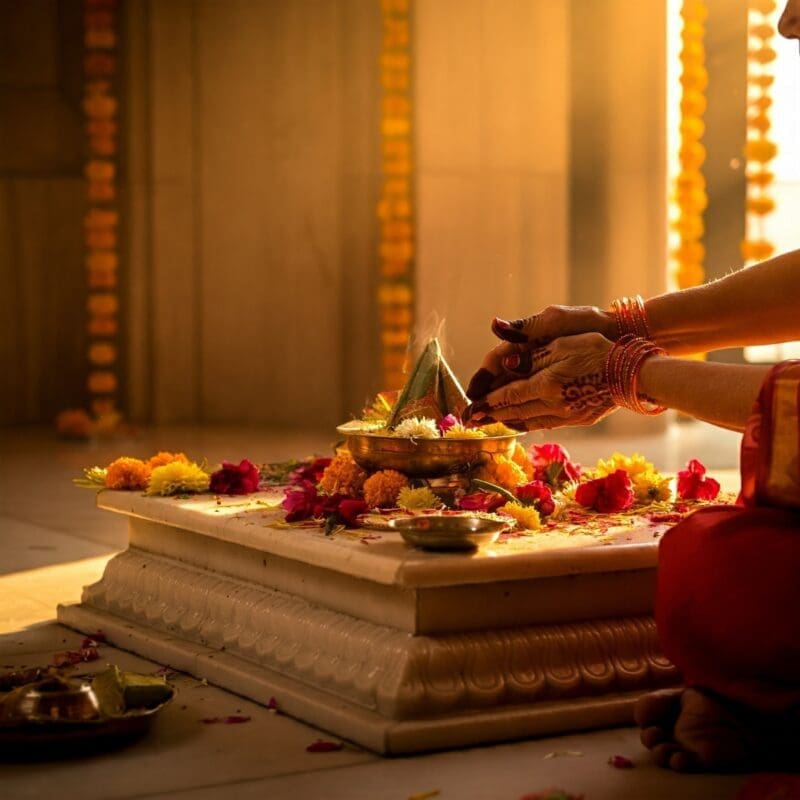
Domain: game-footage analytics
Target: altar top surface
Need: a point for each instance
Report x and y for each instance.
(383, 557)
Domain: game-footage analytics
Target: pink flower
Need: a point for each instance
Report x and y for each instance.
(230, 478)
(693, 485)
(551, 464)
(538, 495)
(447, 422)
(299, 502)
(612, 493)
(481, 501)
(310, 471)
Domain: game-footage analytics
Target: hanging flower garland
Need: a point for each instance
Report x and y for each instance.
(690, 186)
(101, 220)
(759, 149)
(395, 207)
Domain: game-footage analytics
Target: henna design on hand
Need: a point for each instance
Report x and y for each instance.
(588, 391)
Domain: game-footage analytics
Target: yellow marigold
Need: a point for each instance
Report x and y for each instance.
(127, 473)
(460, 432)
(165, 457)
(634, 465)
(650, 487)
(417, 499)
(178, 477)
(519, 455)
(343, 475)
(527, 517)
(503, 472)
(382, 488)
(497, 429)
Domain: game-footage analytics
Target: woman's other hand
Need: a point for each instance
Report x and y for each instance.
(523, 336)
(562, 383)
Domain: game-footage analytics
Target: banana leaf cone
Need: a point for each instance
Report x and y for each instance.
(431, 391)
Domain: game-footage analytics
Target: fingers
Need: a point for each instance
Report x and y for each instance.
(491, 373)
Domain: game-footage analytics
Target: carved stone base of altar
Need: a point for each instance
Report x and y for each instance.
(392, 648)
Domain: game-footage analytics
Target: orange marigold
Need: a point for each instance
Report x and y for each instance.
(343, 475)
(163, 457)
(382, 488)
(520, 457)
(127, 473)
(502, 472)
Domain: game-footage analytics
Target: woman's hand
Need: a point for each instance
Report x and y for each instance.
(523, 336)
(562, 383)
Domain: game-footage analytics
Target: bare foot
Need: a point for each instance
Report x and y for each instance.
(694, 731)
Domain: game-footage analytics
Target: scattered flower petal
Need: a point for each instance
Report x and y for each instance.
(620, 762)
(425, 795)
(70, 657)
(233, 719)
(322, 746)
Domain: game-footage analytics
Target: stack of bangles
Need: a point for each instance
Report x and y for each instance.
(622, 372)
(631, 317)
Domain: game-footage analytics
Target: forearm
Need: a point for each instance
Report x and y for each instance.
(722, 394)
(757, 305)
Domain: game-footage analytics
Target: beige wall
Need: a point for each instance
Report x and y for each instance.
(251, 170)
(42, 285)
(492, 81)
(253, 186)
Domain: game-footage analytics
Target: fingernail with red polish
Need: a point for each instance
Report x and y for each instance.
(512, 362)
(504, 329)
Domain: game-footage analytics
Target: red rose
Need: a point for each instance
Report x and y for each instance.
(607, 495)
(241, 478)
(693, 485)
(349, 509)
(538, 495)
(551, 465)
(481, 501)
(310, 471)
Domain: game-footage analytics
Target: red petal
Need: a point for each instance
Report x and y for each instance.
(620, 762)
(321, 746)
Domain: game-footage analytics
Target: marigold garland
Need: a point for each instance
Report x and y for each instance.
(395, 207)
(759, 149)
(102, 217)
(690, 185)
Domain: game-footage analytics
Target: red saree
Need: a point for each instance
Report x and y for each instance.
(728, 599)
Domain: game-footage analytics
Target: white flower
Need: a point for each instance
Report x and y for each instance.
(417, 428)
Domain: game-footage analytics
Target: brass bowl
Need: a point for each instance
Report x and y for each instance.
(424, 458)
(456, 532)
(53, 699)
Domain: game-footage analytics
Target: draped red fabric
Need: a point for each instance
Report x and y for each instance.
(728, 598)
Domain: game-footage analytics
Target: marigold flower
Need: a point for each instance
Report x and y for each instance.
(519, 455)
(527, 517)
(417, 499)
(460, 432)
(165, 457)
(497, 429)
(502, 472)
(178, 477)
(343, 476)
(382, 488)
(74, 423)
(127, 473)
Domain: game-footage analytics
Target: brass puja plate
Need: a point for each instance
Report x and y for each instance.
(424, 458)
(447, 532)
(39, 722)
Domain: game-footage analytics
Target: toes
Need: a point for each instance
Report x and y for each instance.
(660, 708)
(654, 735)
(663, 753)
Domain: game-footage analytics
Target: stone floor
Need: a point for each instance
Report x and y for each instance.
(53, 541)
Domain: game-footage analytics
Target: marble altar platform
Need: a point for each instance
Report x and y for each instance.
(53, 541)
(393, 648)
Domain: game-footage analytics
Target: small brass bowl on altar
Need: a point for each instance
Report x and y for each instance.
(423, 458)
(451, 532)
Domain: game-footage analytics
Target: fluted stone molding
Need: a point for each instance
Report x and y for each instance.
(379, 668)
